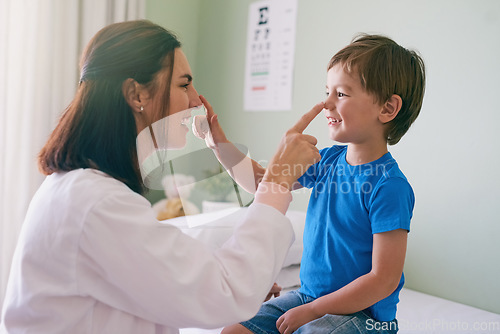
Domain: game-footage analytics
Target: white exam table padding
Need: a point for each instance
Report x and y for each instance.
(420, 313)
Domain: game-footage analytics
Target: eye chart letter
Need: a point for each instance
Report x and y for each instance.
(270, 55)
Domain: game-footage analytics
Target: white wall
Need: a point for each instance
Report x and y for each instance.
(450, 155)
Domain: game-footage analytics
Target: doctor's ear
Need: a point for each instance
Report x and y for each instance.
(390, 109)
(135, 94)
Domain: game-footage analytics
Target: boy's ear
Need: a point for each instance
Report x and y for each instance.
(390, 109)
(134, 94)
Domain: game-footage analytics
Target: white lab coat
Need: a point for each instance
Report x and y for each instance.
(92, 258)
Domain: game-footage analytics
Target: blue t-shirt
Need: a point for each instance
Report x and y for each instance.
(348, 205)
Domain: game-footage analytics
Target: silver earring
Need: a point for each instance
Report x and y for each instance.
(142, 108)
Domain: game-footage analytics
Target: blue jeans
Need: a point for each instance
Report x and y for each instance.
(358, 323)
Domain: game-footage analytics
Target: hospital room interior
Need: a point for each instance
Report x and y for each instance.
(449, 155)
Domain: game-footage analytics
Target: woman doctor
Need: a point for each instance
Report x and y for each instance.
(91, 257)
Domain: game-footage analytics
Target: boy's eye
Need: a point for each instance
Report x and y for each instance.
(339, 94)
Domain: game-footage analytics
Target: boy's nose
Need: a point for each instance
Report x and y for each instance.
(329, 103)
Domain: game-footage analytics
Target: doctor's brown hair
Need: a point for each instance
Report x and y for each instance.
(386, 68)
(98, 129)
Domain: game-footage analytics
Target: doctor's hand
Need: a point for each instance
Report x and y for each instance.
(296, 152)
(275, 291)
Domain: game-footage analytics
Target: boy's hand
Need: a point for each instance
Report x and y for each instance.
(218, 135)
(295, 318)
(296, 152)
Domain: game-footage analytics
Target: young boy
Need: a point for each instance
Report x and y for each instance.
(361, 203)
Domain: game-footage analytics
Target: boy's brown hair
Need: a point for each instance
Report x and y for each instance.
(386, 68)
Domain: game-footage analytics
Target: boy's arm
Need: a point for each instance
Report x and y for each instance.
(389, 251)
(247, 172)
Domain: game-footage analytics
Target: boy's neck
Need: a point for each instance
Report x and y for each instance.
(359, 154)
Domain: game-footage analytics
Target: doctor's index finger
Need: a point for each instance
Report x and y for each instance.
(307, 118)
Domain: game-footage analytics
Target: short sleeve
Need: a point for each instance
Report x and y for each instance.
(391, 205)
(308, 179)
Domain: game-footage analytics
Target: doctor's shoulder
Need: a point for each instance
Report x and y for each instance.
(87, 186)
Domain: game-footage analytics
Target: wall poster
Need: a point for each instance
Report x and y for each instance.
(270, 55)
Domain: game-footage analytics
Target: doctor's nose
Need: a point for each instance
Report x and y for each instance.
(194, 98)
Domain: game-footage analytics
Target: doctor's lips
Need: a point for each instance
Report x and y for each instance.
(185, 121)
(186, 118)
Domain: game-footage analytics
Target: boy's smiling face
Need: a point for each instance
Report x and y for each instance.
(352, 113)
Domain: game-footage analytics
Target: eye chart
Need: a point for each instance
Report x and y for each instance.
(270, 55)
